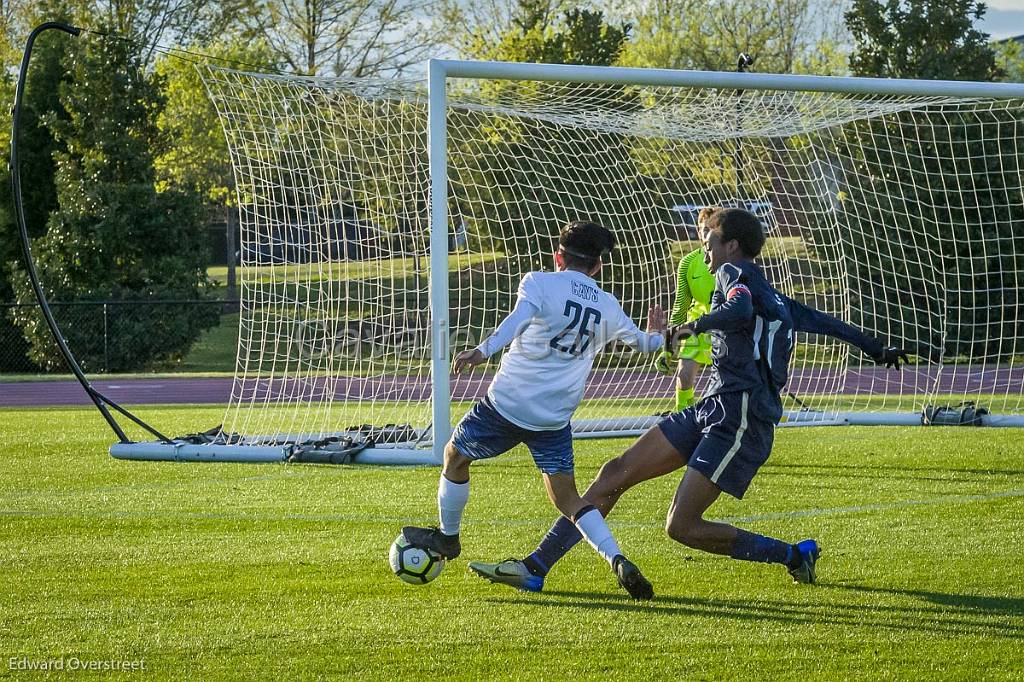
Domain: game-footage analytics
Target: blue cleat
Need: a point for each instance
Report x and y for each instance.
(512, 572)
(809, 553)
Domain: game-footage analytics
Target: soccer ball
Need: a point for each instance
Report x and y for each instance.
(412, 564)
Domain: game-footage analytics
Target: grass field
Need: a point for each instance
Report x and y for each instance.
(234, 571)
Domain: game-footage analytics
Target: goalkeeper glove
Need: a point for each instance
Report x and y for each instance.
(891, 356)
(675, 335)
(665, 363)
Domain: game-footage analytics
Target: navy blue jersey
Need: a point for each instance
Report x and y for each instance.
(751, 327)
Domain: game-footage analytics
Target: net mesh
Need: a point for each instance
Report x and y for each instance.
(894, 213)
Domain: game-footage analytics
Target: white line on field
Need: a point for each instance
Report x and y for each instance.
(771, 516)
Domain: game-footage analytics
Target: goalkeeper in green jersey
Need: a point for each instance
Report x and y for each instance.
(694, 287)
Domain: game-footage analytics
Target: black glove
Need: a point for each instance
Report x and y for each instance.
(665, 363)
(675, 335)
(891, 356)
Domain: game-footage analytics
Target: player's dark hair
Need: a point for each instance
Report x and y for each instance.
(584, 244)
(741, 225)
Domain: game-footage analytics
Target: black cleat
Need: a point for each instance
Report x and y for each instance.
(631, 579)
(447, 546)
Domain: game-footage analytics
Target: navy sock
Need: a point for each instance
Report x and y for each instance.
(562, 537)
(754, 547)
(535, 567)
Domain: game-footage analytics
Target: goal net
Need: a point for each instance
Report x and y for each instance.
(899, 214)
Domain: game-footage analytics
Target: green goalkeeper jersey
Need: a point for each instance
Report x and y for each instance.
(694, 287)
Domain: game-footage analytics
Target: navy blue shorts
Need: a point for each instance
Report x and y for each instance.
(722, 440)
(484, 433)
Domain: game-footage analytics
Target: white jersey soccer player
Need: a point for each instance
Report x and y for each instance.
(560, 322)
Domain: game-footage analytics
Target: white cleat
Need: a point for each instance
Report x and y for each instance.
(511, 572)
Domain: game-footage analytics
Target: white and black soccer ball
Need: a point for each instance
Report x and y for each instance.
(412, 564)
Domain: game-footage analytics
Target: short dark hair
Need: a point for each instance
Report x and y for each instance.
(584, 244)
(741, 225)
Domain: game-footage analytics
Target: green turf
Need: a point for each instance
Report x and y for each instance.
(214, 350)
(273, 571)
(352, 270)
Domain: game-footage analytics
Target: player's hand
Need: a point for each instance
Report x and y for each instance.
(655, 319)
(891, 357)
(665, 363)
(467, 358)
(676, 335)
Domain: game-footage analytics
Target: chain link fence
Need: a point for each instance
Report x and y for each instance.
(112, 329)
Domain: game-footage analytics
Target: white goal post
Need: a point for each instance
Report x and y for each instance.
(889, 203)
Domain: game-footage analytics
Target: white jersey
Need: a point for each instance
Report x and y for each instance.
(542, 376)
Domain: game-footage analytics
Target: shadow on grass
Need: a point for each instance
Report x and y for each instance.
(968, 603)
(910, 473)
(931, 612)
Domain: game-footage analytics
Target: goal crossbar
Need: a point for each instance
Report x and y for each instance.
(441, 69)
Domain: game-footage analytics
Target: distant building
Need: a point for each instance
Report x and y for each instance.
(1013, 39)
(685, 215)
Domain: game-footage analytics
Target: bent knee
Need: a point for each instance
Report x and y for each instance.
(455, 460)
(685, 531)
(568, 505)
(613, 477)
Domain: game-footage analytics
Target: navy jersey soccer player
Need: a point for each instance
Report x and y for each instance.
(726, 437)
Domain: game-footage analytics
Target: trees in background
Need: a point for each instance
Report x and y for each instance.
(929, 39)
(196, 155)
(356, 38)
(543, 31)
(951, 194)
(165, 135)
(785, 36)
(1010, 60)
(112, 236)
(544, 155)
(40, 105)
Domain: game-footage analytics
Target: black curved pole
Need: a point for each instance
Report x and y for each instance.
(98, 399)
(743, 64)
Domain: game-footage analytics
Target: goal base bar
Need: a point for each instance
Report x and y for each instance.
(404, 455)
(625, 427)
(257, 454)
(915, 419)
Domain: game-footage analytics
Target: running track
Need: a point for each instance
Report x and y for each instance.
(603, 384)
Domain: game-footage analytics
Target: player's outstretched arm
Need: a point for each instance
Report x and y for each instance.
(507, 330)
(684, 298)
(807, 319)
(735, 311)
(626, 331)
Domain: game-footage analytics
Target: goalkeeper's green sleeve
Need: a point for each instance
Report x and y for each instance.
(683, 300)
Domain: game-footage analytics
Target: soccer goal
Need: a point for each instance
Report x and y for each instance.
(387, 223)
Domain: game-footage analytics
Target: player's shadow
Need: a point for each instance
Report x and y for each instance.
(933, 612)
(868, 471)
(966, 603)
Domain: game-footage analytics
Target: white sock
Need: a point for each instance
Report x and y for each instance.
(598, 534)
(451, 500)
